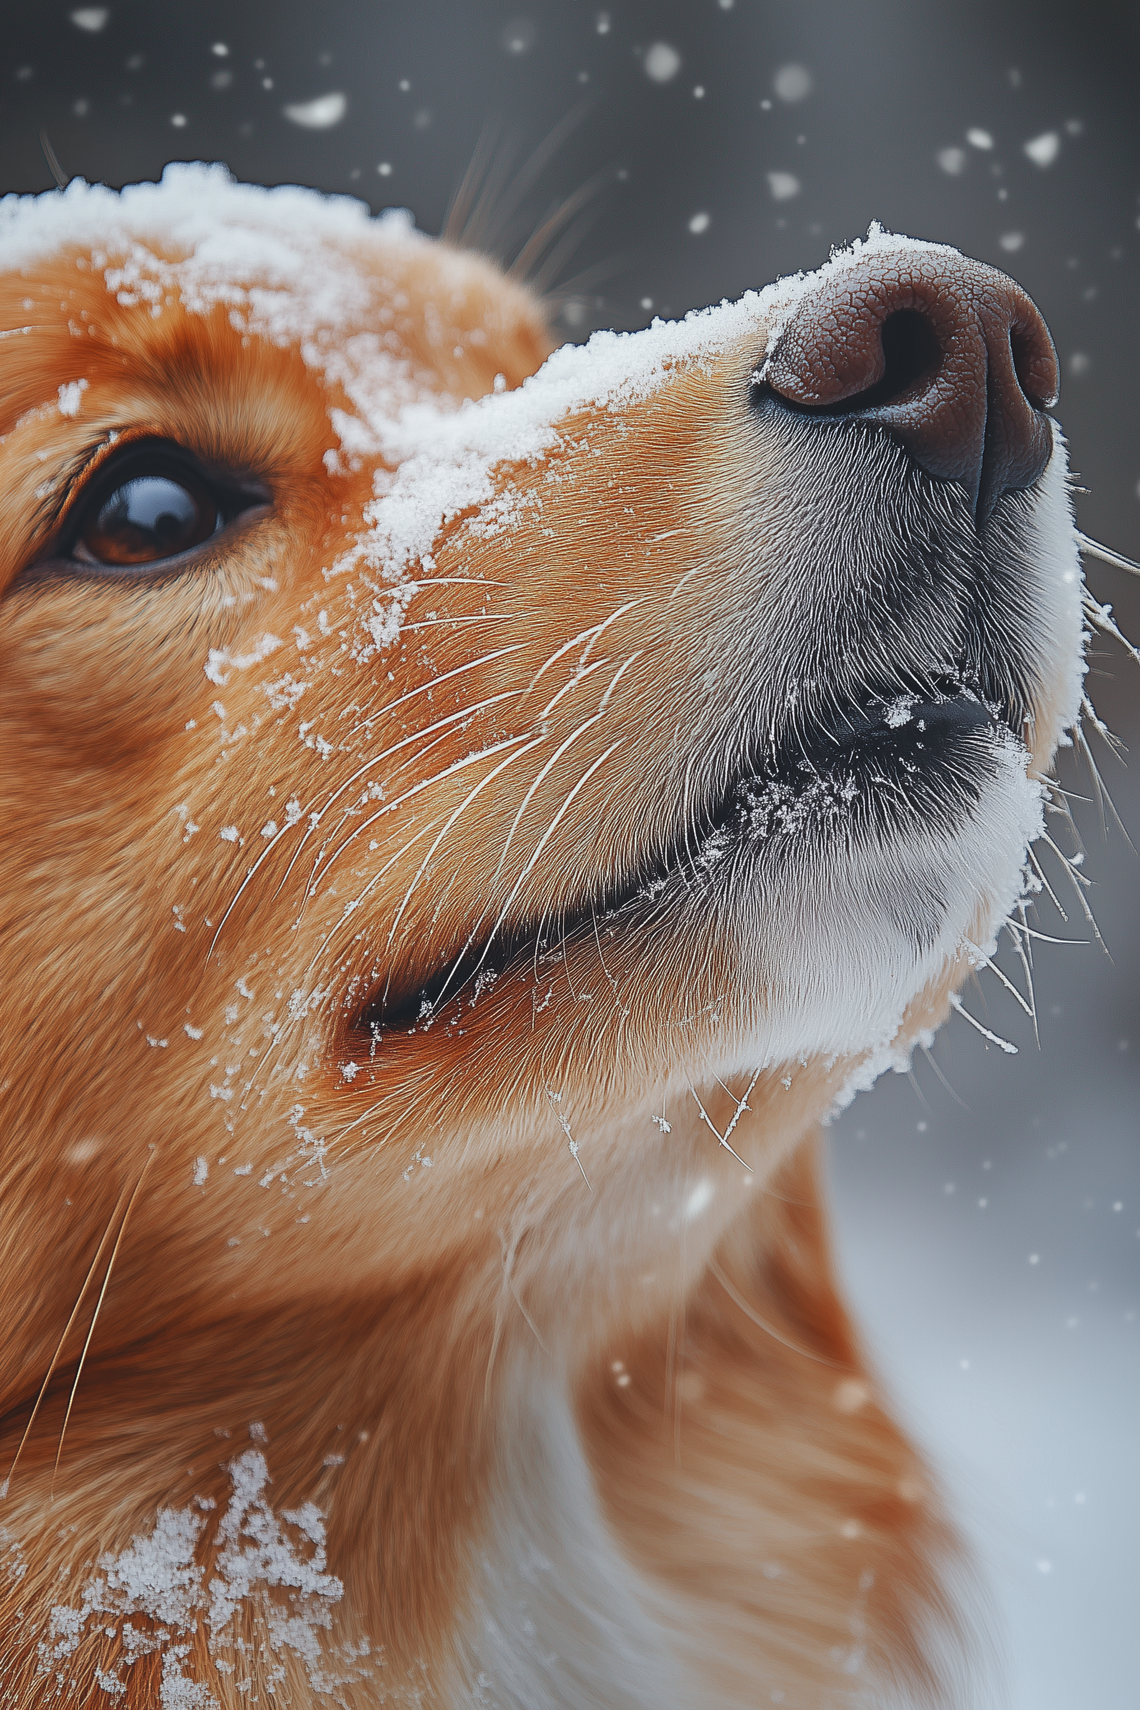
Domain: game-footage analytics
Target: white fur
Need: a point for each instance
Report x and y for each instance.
(561, 1619)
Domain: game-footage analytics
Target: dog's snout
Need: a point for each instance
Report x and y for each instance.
(951, 356)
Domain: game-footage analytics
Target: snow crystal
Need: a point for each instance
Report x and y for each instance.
(220, 657)
(320, 114)
(1043, 150)
(157, 1577)
(255, 1551)
(71, 397)
(662, 62)
(783, 186)
(793, 82)
(178, 1693)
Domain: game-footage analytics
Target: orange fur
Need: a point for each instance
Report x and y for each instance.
(373, 1302)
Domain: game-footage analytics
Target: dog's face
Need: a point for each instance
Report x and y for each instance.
(409, 773)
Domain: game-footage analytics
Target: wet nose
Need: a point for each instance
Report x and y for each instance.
(951, 356)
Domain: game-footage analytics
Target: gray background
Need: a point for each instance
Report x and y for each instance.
(989, 1206)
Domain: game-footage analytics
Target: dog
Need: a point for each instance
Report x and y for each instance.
(471, 811)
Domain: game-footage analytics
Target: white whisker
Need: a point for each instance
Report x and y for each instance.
(587, 637)
(398, 801)
(710, 1124)
(524, 804)
(545, 838)
(54, 1361)
(975, 953)
(95, 1315)
(749, 1312)
(1117, 559)
(468, 798)
(1101, 618)
(568, 688)
(959, 1007)
(478, 617)
(616, 678)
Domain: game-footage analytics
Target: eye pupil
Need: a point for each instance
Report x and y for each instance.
(150, 518)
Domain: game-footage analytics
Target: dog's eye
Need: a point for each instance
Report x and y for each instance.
(152, 505)
(149, 518)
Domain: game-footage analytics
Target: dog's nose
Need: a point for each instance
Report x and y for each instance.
(949, 355)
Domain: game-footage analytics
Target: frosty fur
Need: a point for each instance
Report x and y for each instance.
(496, 1360)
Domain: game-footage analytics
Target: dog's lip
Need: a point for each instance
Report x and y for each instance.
(877, 743)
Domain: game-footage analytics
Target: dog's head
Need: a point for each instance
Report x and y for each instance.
(415, 763)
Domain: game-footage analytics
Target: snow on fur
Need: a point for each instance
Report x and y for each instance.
(288, 264)
(158, 1578)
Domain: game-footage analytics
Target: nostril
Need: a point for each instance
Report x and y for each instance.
(911, 350)
(911, 355)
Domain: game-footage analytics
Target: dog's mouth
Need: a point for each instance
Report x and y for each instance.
(880, 770)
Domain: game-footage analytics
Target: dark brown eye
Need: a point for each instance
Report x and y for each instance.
(149, 518)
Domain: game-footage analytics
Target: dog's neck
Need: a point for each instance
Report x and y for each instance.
(454, 1396)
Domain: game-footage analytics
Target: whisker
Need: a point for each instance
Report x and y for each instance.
(933, 1061)
(544, 234)
(973, 950)
(710, 1124)
(1094, 549)
(739, 1301)
(354, 903)
(544, 840)
(555, 1099)
(1047, 887)
(1101, 618)
(616, 679)
(62, 1340)
(741, 1106)
(478, 617)
(568, 688)
(95, 1315)
(487, 224)
(314, 817)
(1079, 884)
(534, 742)
(588, 636)
(320, 872)
(535, 784)
(1104, 794)
(1041, 937)
(1023, 950)
(452, 582)
(959, 1008)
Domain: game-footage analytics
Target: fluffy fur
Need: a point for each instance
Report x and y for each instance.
(370, 1339)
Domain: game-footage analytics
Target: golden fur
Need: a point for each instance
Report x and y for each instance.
(369, 1277)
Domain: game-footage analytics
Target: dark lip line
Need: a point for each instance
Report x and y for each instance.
(797, 766)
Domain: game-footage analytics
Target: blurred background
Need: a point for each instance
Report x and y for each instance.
(988, 1205)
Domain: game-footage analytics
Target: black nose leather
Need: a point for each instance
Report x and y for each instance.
(948, 354)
